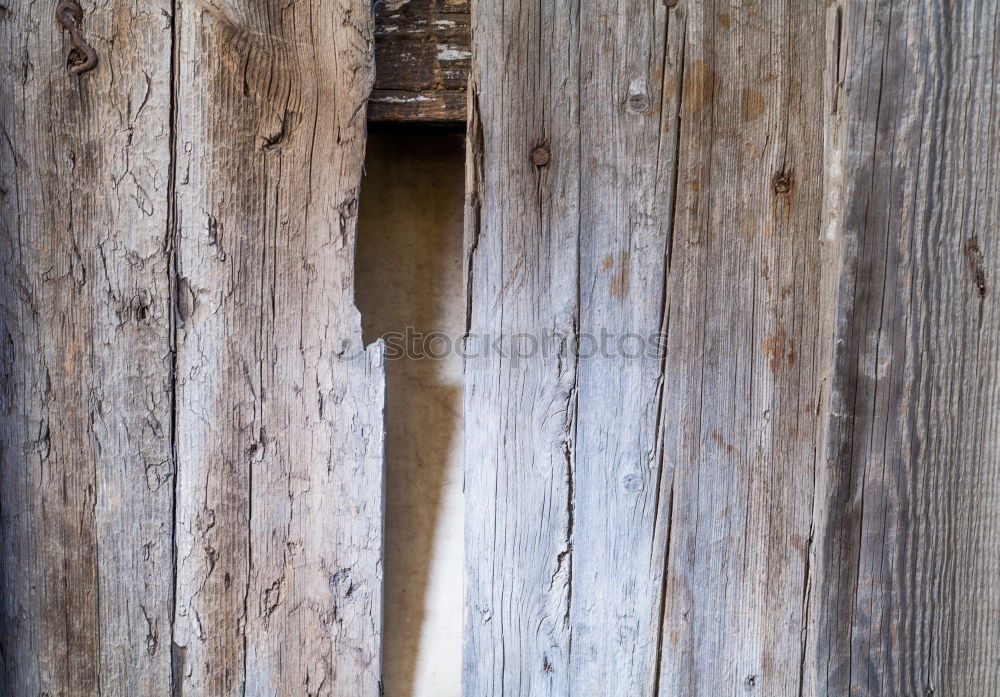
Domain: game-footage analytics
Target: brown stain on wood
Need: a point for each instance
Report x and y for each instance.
(800, 544)
(701, 84)
(620, 281)
(71, 350)
(724, 20)
(778, 349)
(670, 86)
(723, 443)
(751, 104)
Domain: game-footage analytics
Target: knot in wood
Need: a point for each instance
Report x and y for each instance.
(541, 155)
(637, 103)
(781, 183)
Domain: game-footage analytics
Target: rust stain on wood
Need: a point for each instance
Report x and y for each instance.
(700, 86)
(751, 104)
(779, 350)
(722, 443)
(620, 281)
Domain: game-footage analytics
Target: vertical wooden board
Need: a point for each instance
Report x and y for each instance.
(741, 377)
(907, 507)
(688, 481)
(85, 407)
(520, 403)
(700, 194)
(279, 408)
(629, 57)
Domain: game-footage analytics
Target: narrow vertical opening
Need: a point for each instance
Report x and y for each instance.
(410, 292)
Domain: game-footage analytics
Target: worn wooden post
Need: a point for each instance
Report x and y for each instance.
(191, 430)
(86, 470)
(904, 595)
(279, 407)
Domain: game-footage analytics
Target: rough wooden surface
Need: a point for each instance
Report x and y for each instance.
(742, 378)
(85, 406)
(641, 501)
(520, 413)
(801, 498)
(190, 429)
(422, 56)
(908, 497)
(279, 408)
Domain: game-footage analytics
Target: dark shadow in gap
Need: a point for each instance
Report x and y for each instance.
(409, 274)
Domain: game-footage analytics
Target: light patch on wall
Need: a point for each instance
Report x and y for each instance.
(409, 274)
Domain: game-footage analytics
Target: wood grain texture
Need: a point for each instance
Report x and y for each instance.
(803, 197)
(85, 407)
(909, 490)
(520, 423)
(422, 56)
(742, 376)
(627, 141)
(279, 407)
(624, 510)
(422, 106)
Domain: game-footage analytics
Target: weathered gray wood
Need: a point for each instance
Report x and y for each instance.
(908, 497)
(522, 231)
(85, 406)
(809, 194)
(742, 382)
(682, 194)
(279, 409)
(630, 65)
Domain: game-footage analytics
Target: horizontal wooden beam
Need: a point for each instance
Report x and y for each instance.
(422, 57)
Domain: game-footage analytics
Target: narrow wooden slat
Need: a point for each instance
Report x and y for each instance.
(85, 406)
(279, 408)
(404, 106)
(629, 63)
(523, 223)
(909, 494)
(742, 377)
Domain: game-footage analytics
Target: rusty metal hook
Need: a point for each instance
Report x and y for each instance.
(70, 14)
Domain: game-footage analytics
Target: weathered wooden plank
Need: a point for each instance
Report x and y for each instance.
(523, 223)
(422, 52)
(908, 501)
(680, 192)
(628, 115)
(820, 446)
(742, 371)
(85, 408)
(279, 410)
(429, 106)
